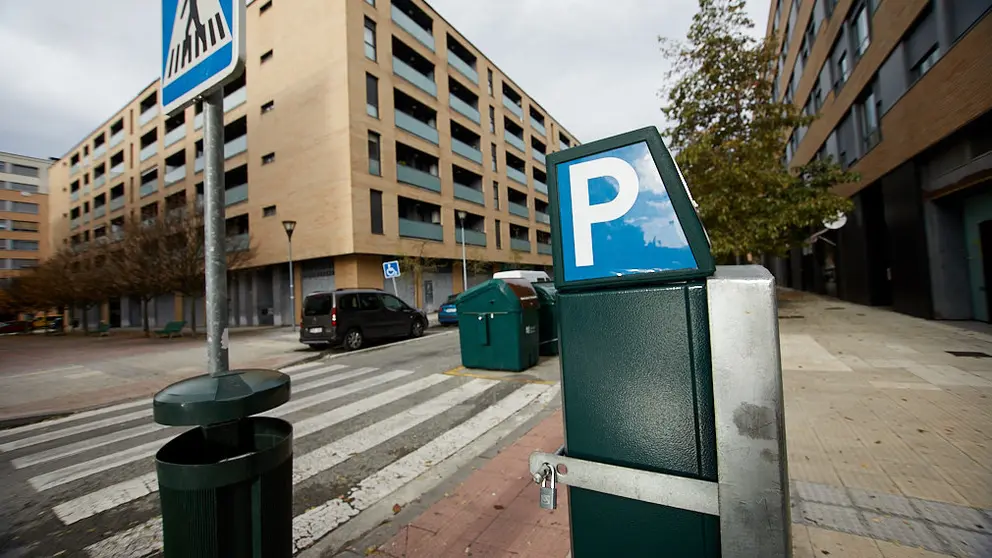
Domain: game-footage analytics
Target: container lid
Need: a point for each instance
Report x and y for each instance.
(498, 295)
(206, 399)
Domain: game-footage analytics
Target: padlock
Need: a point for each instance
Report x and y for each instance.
(549, 492)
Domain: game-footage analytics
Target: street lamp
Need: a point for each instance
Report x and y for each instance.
(461, 217)
(290, 226)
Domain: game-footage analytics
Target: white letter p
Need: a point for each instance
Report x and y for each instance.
(584, 215)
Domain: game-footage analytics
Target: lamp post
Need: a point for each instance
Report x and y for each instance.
(461, 217)
(290, 226)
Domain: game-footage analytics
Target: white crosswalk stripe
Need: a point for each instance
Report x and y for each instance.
(398, 425)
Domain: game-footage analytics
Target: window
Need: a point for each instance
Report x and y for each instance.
(375, 211)
(370, 39)
(493, 150)
(817, 96)
(492, 119)
(24, 226)
(862, 36)
(496, 194)
(869, 109)
(375, 164)
(24, 207)
(369, 301)
(490, 74)
(265, 57)
(23, 170)
(265, 7)
(17, 263)
(372, 95)
(318, 305)
(268, 158)
(31, 188)
(370, 2)
(269, 211)
(923, 66)
(499, 235)
(268, 106)
(829, 5)
(841, 71)
(24, 245)
(393, 303)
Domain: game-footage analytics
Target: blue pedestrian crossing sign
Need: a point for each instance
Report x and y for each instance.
(622, 213)
(203, 46)
(391, 270)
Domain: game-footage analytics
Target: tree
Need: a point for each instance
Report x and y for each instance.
(730, 133)
(75, 277)
(417, 264)
(140, 268)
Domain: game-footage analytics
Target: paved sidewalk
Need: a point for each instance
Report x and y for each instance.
(888, 437)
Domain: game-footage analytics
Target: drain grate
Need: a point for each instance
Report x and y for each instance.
(970, 354)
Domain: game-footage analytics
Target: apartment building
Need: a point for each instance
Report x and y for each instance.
(373, 124)
(23, 213)
(904, 91)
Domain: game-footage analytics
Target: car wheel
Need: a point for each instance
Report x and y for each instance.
(417, 328)
(353, 340)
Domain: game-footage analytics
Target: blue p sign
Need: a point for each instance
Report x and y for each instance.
(623, 210)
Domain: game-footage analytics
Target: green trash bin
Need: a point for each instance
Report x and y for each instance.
(548, 328)
(226, 487)
(498, 324)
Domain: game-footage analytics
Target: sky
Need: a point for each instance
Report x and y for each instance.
(594, 65)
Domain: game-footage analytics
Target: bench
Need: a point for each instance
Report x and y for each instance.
(171, 329)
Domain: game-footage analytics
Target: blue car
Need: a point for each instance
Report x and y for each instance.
(447, 314)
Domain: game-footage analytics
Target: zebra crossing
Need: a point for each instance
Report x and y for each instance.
(360, 435)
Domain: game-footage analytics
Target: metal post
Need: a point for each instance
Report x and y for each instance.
(395, 292)
(292, 286)
(215, 249)
(461, 216)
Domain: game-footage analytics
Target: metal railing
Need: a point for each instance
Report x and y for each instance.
(412, 75)
(417, 177)
(412, 27)
(416, 127)
(463, 67)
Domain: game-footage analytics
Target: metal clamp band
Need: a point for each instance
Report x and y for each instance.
(657, 488)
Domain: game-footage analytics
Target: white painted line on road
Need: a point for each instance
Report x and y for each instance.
(114, 437)
(339, 451)
(87, 374)
(72, 418)
(40, 372)
(78, 429)
(309, 372)
(121, 493)
(136, 542)
(84, 469)
(321, 520)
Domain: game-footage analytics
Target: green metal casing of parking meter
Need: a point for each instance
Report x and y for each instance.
(631, 269)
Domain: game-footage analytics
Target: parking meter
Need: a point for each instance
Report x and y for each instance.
(671, 376)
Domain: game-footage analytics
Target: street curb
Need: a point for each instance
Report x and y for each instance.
(23, 420)
(386, 345)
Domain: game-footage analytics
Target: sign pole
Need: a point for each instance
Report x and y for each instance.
(215, 250)
(395, 292)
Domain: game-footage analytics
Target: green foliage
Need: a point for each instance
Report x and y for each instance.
(729, 134)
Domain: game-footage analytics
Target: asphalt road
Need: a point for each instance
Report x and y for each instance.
(372, 430)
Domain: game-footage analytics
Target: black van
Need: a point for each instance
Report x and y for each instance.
(350, 317)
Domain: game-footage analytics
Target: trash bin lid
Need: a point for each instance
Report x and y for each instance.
(545, 292)
(498, 295)
(206, 399)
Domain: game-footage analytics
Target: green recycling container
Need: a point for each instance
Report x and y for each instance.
(498, 323)
(548, 328)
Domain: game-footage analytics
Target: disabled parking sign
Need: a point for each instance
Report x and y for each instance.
(623, 213)
(391, 269)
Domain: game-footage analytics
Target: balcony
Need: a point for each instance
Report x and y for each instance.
(413, 28)
(416, 127)
(86, 190)
(99, 151)
(116, 203)
(466, 193)
(99, 181)
(74, 223)
(148, 188)
(540, 187)
(198, 163)
(463, 67)
(544, 249)
(238, 242)
(74, 168)
(147, 152)
(236, 194)
(198, 121)
(236, 99)
(542, 217)
(74, 196)
(175, 175)
(86, 218)
(520, 245)
(465, 109)
(538, 126)
(518, 210)
(175, 135)
(475, 238)
(419, 178)
(116, 170)
(407, 72)
(515, 141)
(466, 150)
(99, 211)
(149, 114)
(540, 157)
(513, 107)
(515, 175)
(236, 146)
(421, 229)
(116, 139)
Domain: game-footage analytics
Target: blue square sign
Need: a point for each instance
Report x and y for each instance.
(203, 46)
(624, 211)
